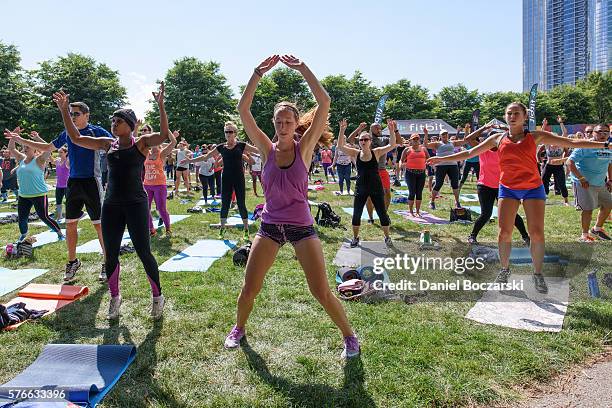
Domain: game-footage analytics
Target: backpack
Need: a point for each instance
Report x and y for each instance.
(326, 217)
(242, 255)
(25, 248)
(460, 214)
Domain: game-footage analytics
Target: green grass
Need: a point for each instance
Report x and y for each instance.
(425, 354)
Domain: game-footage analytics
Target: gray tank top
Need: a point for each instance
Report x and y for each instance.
(446, 150)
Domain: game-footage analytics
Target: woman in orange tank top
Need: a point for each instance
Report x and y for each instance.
(520, 182)
(155, 179)
(413, 160)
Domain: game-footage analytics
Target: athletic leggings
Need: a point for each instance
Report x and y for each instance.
(207, 181)
(60, 192)
(41, 205)
(379, 205)
(453, 173)
(218, 181)
(415, 180)
(229, 185)
(558, 172)
(114, 220)
(344, 174)
(158, 193)
(487, 197)
(466, 170)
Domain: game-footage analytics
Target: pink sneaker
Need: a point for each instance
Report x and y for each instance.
(233, 338)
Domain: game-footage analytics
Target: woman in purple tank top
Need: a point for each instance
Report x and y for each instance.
(62, 170)
(286, 216)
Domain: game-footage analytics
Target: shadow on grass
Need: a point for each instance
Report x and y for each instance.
(352, 393)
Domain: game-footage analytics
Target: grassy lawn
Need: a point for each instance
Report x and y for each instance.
(422, 354)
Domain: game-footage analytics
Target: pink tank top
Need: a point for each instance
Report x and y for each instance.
(286, 191)
(489, 169)
(415, 160)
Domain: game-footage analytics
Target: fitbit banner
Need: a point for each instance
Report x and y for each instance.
(433, 126)
(475, 120)
(531, 108)
(380, 108)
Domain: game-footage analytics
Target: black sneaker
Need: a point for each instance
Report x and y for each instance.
(388, 241)
(503, 275)
(355, 242)
(540, 284)
(432, 205)
(371, 221)
(527, 241)
(472, 240)
(601, 234)
(71, 270)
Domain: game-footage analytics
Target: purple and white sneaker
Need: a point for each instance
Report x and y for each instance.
(351, 347)
(233, 338)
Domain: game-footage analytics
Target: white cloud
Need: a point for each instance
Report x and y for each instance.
(139, 89)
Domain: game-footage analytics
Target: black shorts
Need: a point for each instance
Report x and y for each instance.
(180, 168)
(10, 184)
(430, 171)
(84, 192)
(283, 233)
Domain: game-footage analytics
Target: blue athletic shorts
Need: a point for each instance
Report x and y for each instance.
(537, 193)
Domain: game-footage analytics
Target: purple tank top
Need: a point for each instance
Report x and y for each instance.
(62, 172)
(286, 191)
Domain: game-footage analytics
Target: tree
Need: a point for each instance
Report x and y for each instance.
(494, 104)
(85, 80)
(198, 100)
(407, 101)
(572, 102)
(598, 88)
(456, 104)
(282, 84)
(12, 87)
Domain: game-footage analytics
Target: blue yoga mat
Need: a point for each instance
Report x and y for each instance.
(523, 256)
(364, 214)
(86, 372)
(11, 279)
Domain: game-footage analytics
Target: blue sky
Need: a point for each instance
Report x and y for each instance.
(432, 43)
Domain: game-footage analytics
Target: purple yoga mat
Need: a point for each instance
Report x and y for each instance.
(425, 219)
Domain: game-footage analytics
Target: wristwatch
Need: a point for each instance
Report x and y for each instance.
(607, 144)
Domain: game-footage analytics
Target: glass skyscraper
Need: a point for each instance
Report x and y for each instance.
(564, 40)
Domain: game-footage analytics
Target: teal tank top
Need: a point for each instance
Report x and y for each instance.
(31, 179)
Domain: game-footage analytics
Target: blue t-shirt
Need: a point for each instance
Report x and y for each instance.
(84, 163)
(593, 164)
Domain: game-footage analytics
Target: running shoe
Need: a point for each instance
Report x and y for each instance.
(472, 240)
(503, 275)
(355, 242)
(233, 338)
(221, 233)
(153, 232)
(371, 221)
(71, 270)
(432, 205)
(114, 307)
(246, 234)
(388, 241)
(601, 234)
(157, 308)
(588, 239)
(351, 347)
(540, 284)
(102, 274)
(169, 233)
(527, 241)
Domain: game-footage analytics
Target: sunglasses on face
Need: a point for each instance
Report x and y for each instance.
(365, 139)
(75, 114)
(229, 132)
(588, 131)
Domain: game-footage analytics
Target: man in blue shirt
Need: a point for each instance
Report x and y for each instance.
(84, 183)
(589, 169)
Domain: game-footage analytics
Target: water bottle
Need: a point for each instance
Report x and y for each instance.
(425, 237)
(593, 285)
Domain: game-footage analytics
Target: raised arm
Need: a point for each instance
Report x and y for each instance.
(356, 132)
(319, 121)
(552, 139)
(37, 144)
(250, 149)
(257, 136)
(155, 139)
(562, 125)
(488, 144)
(351, 151)
(88, 142)
(379, 151)
(472, 137)
(168, 149)
(427, 143)
(13, 137)
(200, 158)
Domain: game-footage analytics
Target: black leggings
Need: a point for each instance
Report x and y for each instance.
(60, 193)
(466, 170)
(41, 205)
(207, 181)
(415, 182)
(379, 205)
(453, 173)
(558, 172)
(114, 220)
(233, 183)
(218, 181)
(487, 197)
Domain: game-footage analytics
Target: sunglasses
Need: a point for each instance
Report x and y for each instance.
(365, 139)
(145, 130)
(75, 114)
(229, 132)
(588, 131)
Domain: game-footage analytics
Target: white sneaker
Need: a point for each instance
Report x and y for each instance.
(113, 308)
(157, 308)
(102, 274)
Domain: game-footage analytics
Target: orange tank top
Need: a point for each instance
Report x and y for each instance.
(518, 164)
(415, 160)
(154, 172)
